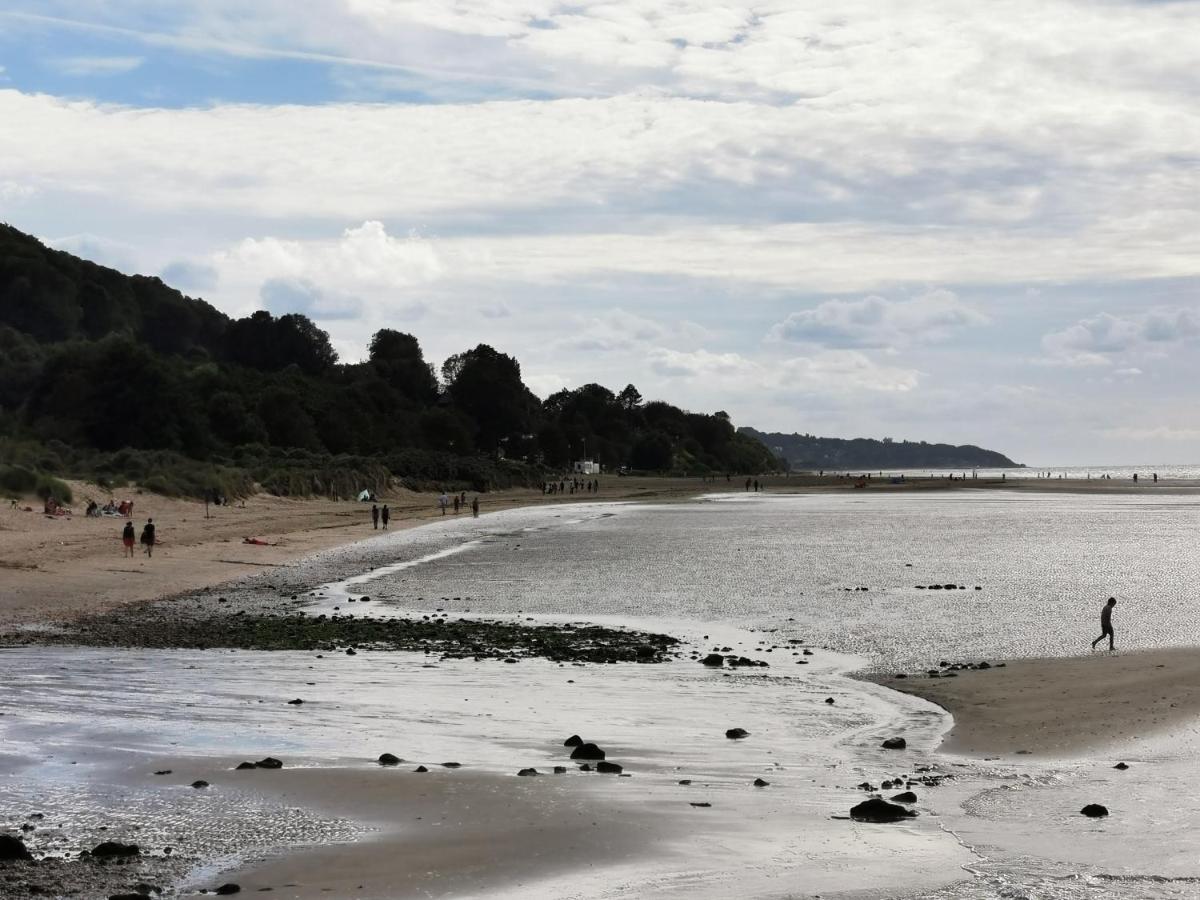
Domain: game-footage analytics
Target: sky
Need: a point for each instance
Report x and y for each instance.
(946, 221)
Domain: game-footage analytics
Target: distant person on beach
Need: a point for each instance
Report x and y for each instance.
(148, 537)
(457, 505)
(443, 502)
(127, 538)
(1106, 627)
(475, 507)
(385, 514)
(374, 516)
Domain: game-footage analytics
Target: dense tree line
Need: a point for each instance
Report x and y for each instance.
(91, 358)
(809, 452)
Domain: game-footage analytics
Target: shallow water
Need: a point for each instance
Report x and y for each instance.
(707, 570)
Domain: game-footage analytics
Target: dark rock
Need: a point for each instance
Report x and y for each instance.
(585, 768)
(244, 765)
(608, 768)
(736, 734)
(527, 772)
(452, 765)
(1122, 766)
(896, 743)
(905, 797)
(389, 759)
(587, 751)
(351, 652)
(226, 889)
(701, 805)
(560, 770)
(879, 810)
(829, 700)
(114, 849)
(984, 665)
(1094, 811)
(685, 781)
(714, 659)
(199, 784)
(758, 782)
(420, 769)
(269, 763)
(13, 848)
(138, 896)
(295, 702)
(163, 772)
(573, 741)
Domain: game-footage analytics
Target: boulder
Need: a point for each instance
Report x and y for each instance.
(609, 768)
(1122, 766)
(758, 782)
(226, 889)
(527, 772)
(560, 770)
(905, 797)
(389, 759)
(452, 765)
(269, 763)
(587, 751)
(295, 702)
(114, 850)
(573, 741)
(200, 784)
(880, 811)
(736, 734)
(1094, 811)
(713, 659)
(829, 700)
(244, 765)
(896, 743)
(13, 848)
(420, 769)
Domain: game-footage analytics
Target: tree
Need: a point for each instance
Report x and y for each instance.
(486, 386)
(397, 358)
(630, 398)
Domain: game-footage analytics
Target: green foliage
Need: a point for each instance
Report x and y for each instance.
(48, 486)
(17, 480)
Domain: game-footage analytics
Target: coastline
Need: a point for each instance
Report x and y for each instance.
(1064, 708)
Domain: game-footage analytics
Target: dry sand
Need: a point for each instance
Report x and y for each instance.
(54, 568)
(1061, 708)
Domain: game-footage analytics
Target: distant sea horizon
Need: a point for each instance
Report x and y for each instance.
(1173, 472)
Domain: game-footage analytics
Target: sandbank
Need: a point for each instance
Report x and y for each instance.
(1065, 708)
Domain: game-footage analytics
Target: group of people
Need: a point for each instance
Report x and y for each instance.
(563, 486)
(148, 538)
(458, 502)
(123, 510)
(380, 515)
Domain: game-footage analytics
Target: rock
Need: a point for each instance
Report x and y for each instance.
(351, 652)
(713, 659)
(829, 700)
(560, 770)
(389, 759)
(736, 734)
(420, 769)
(114, 849)
(685, 781)
(452, 765)
(127, 896)
(1094, 811)
(295, 702)
(905, 797)
(1122, 766)
(527, 772)
(608, 768)
(269, 763)
(199, 784)
(226, 889)
(244, 765)
(896, 743)
(587, 751)
(758, 782)
(573, 741)
(879, 810)
(701, 805)
(163, 772)
(13, 848)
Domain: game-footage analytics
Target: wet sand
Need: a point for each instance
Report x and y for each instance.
(1066, 708)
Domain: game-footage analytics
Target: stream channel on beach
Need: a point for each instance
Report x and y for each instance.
(83, 729)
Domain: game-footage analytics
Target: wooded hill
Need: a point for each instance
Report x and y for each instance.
(811, 453)
(125, 377)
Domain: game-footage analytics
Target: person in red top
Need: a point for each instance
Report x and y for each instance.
(1106, 627)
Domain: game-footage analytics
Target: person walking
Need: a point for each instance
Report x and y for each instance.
(1106, 626)
(148, 538)
(475, 507)
(385, 514)
(127, 539)
(374, 516)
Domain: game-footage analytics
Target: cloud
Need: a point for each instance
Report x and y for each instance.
(190, 277)
(877, 322)
(93, 66)
(103, 250)
(836, 372)
(287, 295)
(1102, 339)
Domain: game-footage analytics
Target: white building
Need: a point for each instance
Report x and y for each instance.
(587, 467)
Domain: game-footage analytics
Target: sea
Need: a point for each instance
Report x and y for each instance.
(847, 576)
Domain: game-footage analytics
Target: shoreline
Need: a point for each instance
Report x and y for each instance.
(1063, 707)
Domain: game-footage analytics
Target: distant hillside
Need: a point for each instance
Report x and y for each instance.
(804, 451)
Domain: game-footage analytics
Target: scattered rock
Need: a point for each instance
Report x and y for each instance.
(114, 849)
(13, 848)
(163, 772)
(609, 768)
(560, 770)
(829, 700)
(389, 759)
(896, 743)
(452, 765)
(736, 734)
(420, 769)
(573, 741)
(226, 889)
(244, 765)
(269, 763)
(701, 805)
(1094, 811)
(1122, 766)
(685, 781)
(879, 810)
(527, 772)
(905, 797)
(200, 784)
(295, 702)
(758, 782)
(587, 751)
(714, 659)
(585, 768)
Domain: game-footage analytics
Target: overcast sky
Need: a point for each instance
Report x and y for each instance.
(952, 221)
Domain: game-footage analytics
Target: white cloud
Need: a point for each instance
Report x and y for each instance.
(92, 66)
(1102, 339)
(833, 372)
(877, 322)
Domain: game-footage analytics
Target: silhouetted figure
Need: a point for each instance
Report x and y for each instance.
(1135, 477)
(756, 485)
(127, 539)
(384, 515)
(457, 505)
(375, 516)
(148, 537)
(1156, 478)
(1106, 627)
(748, 483)
(475, 507)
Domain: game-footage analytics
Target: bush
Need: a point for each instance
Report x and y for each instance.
(17, 479)
(48, 486)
